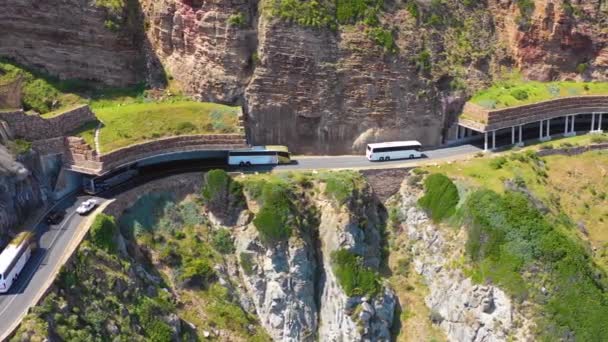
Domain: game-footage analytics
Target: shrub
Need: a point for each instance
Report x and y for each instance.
(185, 127)
(341, 185)
(599, 138)
(440, 197)
(196, 272)
(498, 162)
(222, 196)
(423, 61)
(247, 262)
(519, 94)
(383, 37)
(354, 278)
(103, 232)
(582, 67)
(237, 20)
(275, 219)
(508, 236)
(222, 241)
(412, 8)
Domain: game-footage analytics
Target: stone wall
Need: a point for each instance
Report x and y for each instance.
(34, 127)
(482, 119)
(80, 157)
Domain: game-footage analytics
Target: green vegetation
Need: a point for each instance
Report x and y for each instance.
(19, 146)
(114, 13)
(533, 223)
(246, 262)
(333, 13)
(509, 238)
(355, 278)
(223, 196)
(440, 197)
(222, 241)
(129, 115)
(39, 92)
(103, 232)
(383, 37)
(92, 294)
(185, 249)
(237, 20)
(342, 185)
(275, 220)
(124, 125)
(515, 91)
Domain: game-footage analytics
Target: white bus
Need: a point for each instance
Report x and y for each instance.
(13, 259)
(260, 155)
(394, 150)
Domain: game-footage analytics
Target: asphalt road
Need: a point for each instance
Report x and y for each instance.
(360, 162)
(52, 242)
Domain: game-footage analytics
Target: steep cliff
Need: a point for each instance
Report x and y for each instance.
(320, 76)
(22, 190)
(76, 39)
(301, 286)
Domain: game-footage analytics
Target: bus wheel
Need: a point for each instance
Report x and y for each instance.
(387, 158)
(381, 159)
(411, 156)
(248, 164)
(241, 164)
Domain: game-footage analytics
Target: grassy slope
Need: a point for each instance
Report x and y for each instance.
(574, 190)
(128, 115)
(133, 123)
(501, 95)
(179, 239)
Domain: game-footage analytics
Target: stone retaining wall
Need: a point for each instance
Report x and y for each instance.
(479, 118)
(80, 157)
(570, 151)
(35, 127)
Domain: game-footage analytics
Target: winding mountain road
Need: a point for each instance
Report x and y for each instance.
(56, 243)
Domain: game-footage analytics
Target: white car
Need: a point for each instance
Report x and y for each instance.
(87, 206)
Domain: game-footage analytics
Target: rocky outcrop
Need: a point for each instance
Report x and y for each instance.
(209, 54)
(70, 39)
(22, 190)
(464, 310)
(294, 290)
(557, 40)
(339, 319)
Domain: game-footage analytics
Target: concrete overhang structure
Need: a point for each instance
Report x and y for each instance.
(482, 120)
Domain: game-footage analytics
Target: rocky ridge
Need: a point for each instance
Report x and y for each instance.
(292, 285)
(464, 310)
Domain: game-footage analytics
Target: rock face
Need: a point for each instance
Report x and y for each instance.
(201, 48)
(465, 311)
(294, 290)
(21, 190)
(557, 39)
(68, 39)
(314, 90)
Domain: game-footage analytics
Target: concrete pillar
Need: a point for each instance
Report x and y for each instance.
(548, 133)
(485, 141)
(599, 125)
(512, 135)
(540, 134)
(592, 122)
(493, 140)
(572, 124)
(520, 135)
(566, 125)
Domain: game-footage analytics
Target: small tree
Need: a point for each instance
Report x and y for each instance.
(103, 232)
(223, 196)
